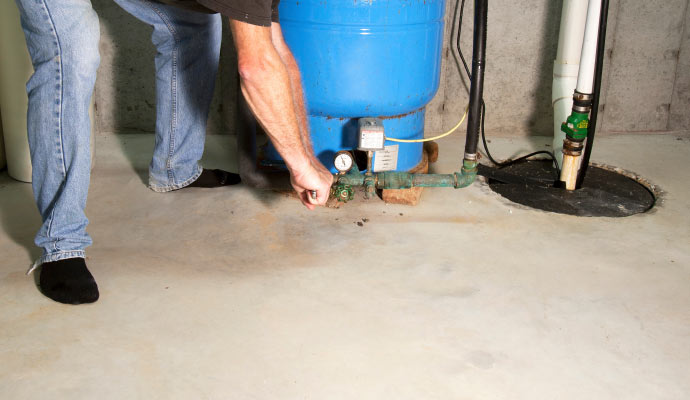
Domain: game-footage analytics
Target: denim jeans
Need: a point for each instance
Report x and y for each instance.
(188, 45)
(62, 37)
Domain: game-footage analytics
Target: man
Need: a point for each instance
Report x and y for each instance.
(62, 37)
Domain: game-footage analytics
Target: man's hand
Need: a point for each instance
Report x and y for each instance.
(312, 177)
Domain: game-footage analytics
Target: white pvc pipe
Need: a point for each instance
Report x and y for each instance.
(15, 71)
(566, 67)
(588, 59)
(585, 82)
(572, 30)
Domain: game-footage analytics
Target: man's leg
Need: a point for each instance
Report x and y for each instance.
(188, 45)
(62, 37)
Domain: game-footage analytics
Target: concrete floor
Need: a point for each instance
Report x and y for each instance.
(236, 294)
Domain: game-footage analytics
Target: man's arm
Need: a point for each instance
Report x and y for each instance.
(297, 91)
(266, 85)
(295, 82)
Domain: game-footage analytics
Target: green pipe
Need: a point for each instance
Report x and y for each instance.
(406, 180)
(468, 174)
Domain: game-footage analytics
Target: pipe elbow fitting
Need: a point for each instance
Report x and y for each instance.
(467, 175)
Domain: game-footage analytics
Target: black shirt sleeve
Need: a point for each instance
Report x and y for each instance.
(255, 12)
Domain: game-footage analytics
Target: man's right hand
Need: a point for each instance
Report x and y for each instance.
(312, 177)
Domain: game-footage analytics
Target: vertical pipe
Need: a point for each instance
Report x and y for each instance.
(585, 78)
(565, 67)
(571, 31)
(601, 49)
(578, 122)
(477, 81)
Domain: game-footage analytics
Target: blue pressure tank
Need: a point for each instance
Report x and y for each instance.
(374, 58)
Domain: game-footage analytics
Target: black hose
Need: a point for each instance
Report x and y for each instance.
(592, 129)
(477, 79)
(557, 171)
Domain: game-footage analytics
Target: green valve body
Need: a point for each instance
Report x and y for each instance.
(343, 193)
(575, 127)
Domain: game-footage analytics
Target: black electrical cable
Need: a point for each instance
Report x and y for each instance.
(483, 112)
(598, 70)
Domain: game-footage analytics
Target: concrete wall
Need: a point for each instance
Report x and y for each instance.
(125, 88)
(646, 83)
(680, 102)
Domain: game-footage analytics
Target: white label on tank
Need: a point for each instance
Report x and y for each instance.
(386, 159)
(371, 140)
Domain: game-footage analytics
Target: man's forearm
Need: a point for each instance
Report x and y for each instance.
(265, 83)
(268, 108)
(298, 99)
(295, 83)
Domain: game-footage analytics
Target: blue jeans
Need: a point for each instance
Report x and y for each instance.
(188, 45)
(62, 37)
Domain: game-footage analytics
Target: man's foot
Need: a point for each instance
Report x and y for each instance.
(211, 178)
(68, 281)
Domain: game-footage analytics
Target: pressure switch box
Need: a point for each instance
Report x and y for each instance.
(371, 134)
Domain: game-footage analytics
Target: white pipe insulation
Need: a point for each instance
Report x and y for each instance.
(566, 67)
(15, 71)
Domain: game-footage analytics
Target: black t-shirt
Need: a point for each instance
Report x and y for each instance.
(255, 12)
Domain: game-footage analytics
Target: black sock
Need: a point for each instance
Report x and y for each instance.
(68, 281)
(211, 178)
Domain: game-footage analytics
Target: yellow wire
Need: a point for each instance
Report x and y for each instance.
(435, 137)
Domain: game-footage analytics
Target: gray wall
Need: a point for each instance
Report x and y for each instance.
(646, 83)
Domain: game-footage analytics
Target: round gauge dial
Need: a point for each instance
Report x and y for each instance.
(343, 161)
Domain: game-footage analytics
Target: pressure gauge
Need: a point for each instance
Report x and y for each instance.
(343, 161)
